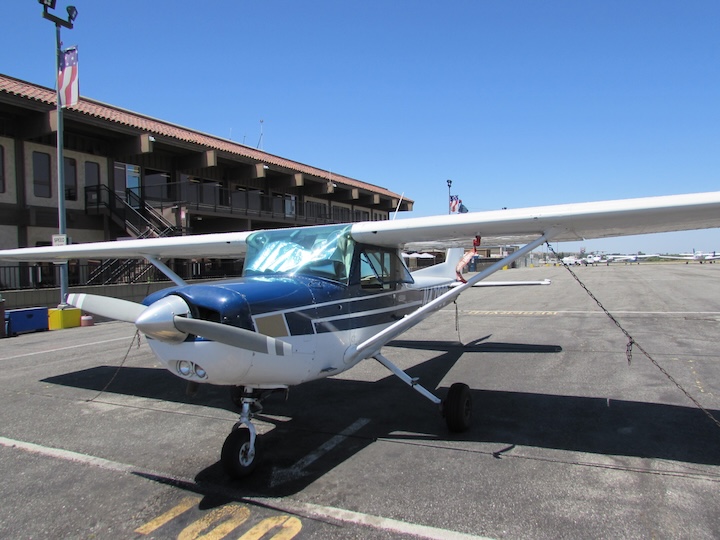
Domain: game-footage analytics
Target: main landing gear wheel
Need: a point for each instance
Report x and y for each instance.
(239, 457)
(457, 408)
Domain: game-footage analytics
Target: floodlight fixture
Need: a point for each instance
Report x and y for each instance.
(48, 4)
(72, 13)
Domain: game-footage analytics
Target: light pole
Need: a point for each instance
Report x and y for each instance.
(449, 183)
(62, 229)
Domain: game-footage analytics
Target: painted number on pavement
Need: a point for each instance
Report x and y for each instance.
(221, 522)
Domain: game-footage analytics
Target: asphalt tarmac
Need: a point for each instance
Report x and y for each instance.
(568, 440)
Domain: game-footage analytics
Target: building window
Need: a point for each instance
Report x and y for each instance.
(315, 210)
(92, 182)
(92, 173)
(341, 214)
(42, 177)
(2, 169)
(70, 179)
(156, 185)
(361, 215)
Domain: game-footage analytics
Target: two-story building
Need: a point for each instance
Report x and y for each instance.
(129, 175)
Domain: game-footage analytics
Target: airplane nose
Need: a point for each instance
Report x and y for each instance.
(157, 319)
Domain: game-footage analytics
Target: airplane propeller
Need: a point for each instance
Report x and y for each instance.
(233, 336)
(107, 306)
(168, 319)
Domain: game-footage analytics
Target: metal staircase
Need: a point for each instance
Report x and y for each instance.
(138, 219)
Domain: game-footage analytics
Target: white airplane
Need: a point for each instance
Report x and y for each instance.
(699, 256)
(571, 261)
(627, 258)
(593, 260)
(315, 301)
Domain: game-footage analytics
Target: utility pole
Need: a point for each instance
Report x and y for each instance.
(61, 237)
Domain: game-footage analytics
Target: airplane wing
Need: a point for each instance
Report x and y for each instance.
(676, 257)
(633, 258)
(219, 245)
(567, 222)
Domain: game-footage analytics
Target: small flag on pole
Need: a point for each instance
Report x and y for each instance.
(68, 83)
(454, 202)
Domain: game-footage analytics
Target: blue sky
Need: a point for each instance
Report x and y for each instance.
(519, 102)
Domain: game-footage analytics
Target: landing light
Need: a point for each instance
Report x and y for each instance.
(188, 369)
(185, 368)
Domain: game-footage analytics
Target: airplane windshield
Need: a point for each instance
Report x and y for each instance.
(324, 252)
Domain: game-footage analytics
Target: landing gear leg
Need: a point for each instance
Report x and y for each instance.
(457, 406)
(241, 451)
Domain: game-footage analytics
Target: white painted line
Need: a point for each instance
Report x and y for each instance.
(312, 511)
(368, 520)
(49, 351)
(280, 476)
(594, 312)
(66, 455)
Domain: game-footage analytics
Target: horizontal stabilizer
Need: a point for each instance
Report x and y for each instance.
(507, 283)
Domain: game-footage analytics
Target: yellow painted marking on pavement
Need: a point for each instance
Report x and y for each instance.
(477, 312)
(698, 382)
(233, 514)
(289, 527)
(185, 505)
(310, 510)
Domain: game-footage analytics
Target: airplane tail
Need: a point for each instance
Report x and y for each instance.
(446, 269)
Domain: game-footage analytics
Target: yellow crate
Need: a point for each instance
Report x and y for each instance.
(63, 318)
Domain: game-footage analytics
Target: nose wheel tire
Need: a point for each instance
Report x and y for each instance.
(238, 457)
(457, 408)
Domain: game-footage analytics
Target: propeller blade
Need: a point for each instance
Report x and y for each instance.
(233, 336)
(106, 306)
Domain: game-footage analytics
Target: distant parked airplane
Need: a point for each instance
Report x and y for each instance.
(699, 256)
(627, 258)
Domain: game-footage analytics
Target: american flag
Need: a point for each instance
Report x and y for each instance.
(454, 202)
(68, 83)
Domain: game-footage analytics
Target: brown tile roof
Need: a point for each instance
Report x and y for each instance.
(117, 115)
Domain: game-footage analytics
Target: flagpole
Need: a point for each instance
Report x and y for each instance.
(449, 183)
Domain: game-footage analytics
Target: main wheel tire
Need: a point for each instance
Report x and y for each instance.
(457, 408)
(237, 457)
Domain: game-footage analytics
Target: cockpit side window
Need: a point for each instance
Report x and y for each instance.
(381, 268)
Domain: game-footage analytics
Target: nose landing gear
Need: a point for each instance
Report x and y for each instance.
(241, 451)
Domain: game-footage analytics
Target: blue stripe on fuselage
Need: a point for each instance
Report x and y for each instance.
(309, 305)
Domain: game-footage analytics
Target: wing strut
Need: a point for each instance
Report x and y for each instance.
(165, 269)
(373, 345)
(407, 379)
